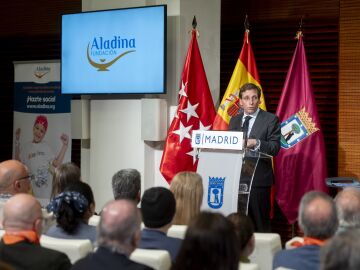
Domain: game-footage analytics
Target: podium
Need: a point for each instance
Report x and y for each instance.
(226, 168)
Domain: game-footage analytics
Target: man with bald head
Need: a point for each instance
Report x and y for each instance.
(118, 236)
(348, 206)
(318, 220)
(14, 179)
(20, 245)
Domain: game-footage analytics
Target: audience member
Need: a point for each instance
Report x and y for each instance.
(14, 179)
(126, 184)
(20, 246)
(188, 191)
(342, 251)
(158, 208)
(348, 206)
(64, 175)
(72, 210)
(210, 243)
(118, 236)
(318, 220)
(244, 229)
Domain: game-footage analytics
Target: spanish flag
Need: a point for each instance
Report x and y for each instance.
(245, 72)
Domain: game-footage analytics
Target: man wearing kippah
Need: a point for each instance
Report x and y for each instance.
(158, 207)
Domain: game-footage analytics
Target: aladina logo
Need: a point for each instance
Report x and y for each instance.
(102, 49)
(40, 72)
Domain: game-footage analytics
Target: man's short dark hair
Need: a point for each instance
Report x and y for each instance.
(158, 207)
(126, 184)
(321, 222)
(250, 86)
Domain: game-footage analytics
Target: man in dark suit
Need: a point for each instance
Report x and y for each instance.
(318, 220)
(20, 245)
(262, 130)
(158, 207)
(118, 236)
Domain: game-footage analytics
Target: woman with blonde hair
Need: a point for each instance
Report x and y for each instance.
(188, 191)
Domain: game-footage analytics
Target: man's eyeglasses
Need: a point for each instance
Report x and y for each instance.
(31, 177)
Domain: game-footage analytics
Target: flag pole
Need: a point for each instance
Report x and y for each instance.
(194, 25)
(299, 33)
(247, 27)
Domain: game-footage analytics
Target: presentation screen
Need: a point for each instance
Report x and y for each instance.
(114, 51)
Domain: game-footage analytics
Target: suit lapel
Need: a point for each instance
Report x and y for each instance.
(257, 125)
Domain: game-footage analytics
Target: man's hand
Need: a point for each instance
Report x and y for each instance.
(251, 143)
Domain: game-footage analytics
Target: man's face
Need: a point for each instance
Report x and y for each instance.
(39, 132)
(249, 101)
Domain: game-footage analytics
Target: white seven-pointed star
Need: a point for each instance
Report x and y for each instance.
(193, 154)
(202, 127)
(182, 89)
(190, 110)
(183, 132)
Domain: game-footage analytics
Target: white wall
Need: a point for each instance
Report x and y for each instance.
(115, 132)
(115, 143)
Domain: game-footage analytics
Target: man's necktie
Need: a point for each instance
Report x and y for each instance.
(246, 125)
(245, 128)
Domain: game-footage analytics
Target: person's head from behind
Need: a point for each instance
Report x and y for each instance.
(244, 229)
(22, 212)
(188, 191)
(39, 128)
(318, 215)
(210, 243)
(348, 206)
(158, 208)
(14, 177)
(342, 251)
(126, 184)
(73, 206)
(64, 175)
(119, 227)
(250, 97)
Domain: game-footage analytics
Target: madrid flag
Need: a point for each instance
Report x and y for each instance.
(245, 72)
(195, 111)
(300, 165)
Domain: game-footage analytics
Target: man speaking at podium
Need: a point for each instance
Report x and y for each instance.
(261, 132)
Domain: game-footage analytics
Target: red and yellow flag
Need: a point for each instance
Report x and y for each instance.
(245, 72)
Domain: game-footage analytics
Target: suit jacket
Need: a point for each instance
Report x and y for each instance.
(266, 128)
(25, 255)
(104, 258)
(153, 239)
(301, 258)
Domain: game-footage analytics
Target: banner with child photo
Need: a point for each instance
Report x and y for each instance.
(42, 123)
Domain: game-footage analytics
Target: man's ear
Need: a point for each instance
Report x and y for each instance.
(17, 185)
(136, 238)
(38, 226)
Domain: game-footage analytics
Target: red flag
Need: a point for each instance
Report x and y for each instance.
(195, 111)
(245, 72)
(300, 165)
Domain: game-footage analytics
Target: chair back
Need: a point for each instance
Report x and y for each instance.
(266, 245)
(94, 220)
(157, 259)
(75, 249)
(248, 266)
(177, 231)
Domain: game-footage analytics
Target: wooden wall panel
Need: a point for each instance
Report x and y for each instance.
(349, 89)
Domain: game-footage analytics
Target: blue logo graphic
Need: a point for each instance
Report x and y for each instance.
(197, 138)
(216, 192)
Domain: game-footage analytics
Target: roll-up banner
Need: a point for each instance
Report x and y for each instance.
(42, 123)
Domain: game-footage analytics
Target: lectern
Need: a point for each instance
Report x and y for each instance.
(226, 168)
